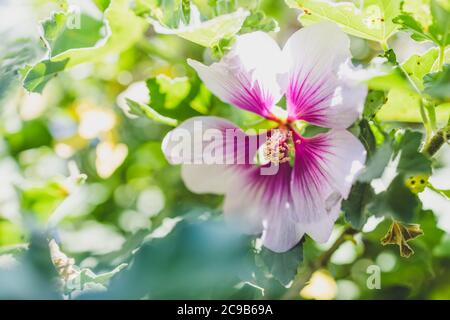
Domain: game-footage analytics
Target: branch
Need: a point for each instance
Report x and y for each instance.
(304, 275)
(437, 141)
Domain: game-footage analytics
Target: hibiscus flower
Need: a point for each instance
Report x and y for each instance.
(313, 174)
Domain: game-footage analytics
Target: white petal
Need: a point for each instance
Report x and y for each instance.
(212, 151)
(316, 90)
(258, 203)
(247, 76)
(214, 179)
(324, 171)
(186, 144)
(319, 231)
(344, 159)
(282, 234)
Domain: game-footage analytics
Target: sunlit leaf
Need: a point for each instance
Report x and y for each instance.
(372, 22)
(62, 35)
(258, 21)
(374, 100)
(173, 98)
(205, 33)
(123, 29)
(402, 102)
(10, 234)
(436, 32)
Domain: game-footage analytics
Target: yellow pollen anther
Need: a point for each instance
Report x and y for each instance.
(278, 147)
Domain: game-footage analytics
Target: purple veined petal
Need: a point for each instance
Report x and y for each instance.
(319, 89)
(247, 76)
(324, 170)
(262, 203)
(211, 150)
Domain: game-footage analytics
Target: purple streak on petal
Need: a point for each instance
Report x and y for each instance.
(251, 97)
(308, 99)
(309, 178)
(274, 190)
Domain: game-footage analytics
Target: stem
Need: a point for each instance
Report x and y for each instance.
(305, 274)
(441, 57)
(384, 46)
(437, 141)
(425, 121)
(428, 115)
(431, 109)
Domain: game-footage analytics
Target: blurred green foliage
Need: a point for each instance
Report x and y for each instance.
(98, 100)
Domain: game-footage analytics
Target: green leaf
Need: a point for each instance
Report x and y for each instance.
(38, 76)
(403, 105)
(258, 21)
(373, 22)
(387, 202)
(374, 101)
(223, 6)
(42, 200)
(61, 25)
(13, 56)
(419, 10)
(402, 102)
(355, 207)
(432, 233)
(443, 249)
(170, 13)
(367, 136)
(437, 85)
(417, 66)
(377, 163)
(123, 29)
(34, 134)
(283, 266)
(408, 23)
(412, 162)
(173, 97)
(437, 32)
(168, 92)
(102, 4)
(196, 260)
(61, 34)
(205, 33)
(10, 234)
(440, 28)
